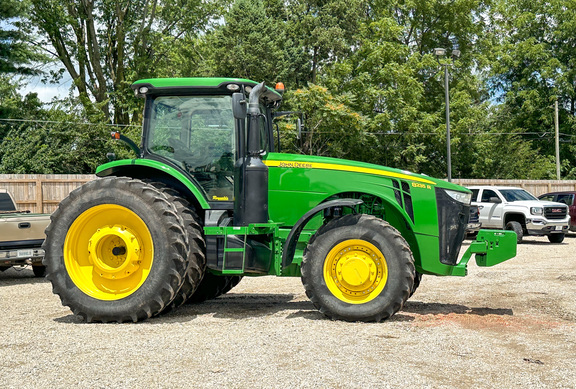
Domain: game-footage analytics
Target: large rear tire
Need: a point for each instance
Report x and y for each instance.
(358, 268)
(116, 250)
(213, 286)
(197, 257)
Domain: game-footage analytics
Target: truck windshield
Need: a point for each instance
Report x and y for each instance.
(512, 195)
(197, 132)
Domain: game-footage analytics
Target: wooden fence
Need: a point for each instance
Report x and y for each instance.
(536, 187)
(42, 193)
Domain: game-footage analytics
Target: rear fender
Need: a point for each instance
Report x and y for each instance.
(150, 169)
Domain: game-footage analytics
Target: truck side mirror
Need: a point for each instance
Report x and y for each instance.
(239, 106)
(495, 200)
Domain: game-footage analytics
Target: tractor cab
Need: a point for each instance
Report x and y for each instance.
(195, 129)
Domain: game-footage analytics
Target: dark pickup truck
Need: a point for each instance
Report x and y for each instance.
(21, 236)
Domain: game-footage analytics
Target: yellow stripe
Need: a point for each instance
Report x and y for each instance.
(344, 168)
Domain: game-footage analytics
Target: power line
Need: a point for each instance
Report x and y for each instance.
(540, 135)
(62, 122)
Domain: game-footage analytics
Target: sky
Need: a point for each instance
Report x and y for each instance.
(46, 92)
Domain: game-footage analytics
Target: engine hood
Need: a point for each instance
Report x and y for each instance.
(298, 161)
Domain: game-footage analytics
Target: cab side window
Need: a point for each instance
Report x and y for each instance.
(486, 194)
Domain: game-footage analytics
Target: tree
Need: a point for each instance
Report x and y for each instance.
(533, 65)
(104, 45)
(17, 53)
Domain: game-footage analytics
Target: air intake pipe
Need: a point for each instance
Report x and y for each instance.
(251, 175)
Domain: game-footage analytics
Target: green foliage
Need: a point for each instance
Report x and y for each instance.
(17, 54)
(532, 66)
(362, 72)
(332, 128)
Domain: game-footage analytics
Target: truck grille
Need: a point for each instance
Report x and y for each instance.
(452, 220)
(555, 212)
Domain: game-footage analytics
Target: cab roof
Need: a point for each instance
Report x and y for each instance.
(200, 85)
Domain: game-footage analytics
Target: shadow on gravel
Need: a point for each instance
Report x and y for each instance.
(444, 309)
(539, 243)
(239, 306)
(242, 306)
(19, 276)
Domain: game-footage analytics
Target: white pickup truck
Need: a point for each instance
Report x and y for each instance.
(517, 210)
(21, 236)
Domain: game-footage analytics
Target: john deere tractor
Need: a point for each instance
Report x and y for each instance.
(208, 200)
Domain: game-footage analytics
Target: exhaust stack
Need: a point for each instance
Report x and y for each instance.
(251, 175)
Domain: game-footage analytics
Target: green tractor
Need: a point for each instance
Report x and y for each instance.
(209, 200)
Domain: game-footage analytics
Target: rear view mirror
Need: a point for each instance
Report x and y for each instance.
(239, 106)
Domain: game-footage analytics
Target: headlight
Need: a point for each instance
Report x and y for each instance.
(459, 196)
(536, 210)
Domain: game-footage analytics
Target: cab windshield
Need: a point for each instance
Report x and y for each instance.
(197, 133)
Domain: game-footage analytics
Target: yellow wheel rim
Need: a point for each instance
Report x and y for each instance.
(355, 271)
(108, 252)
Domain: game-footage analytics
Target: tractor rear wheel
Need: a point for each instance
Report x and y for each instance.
(358, 268)
(213, 286)
(197, 256)
(116, 250)
(417, 280)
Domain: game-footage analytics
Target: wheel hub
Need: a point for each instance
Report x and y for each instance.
(114, 251)
(108, 252)
(355, 271)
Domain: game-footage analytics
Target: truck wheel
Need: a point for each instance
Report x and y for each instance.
(197, 257)
(556, 238)
(116, 250)
(39, 271)
(358, 268)
(213, 286)
(517, 228)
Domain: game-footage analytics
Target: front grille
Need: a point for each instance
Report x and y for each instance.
(452, 221)
(555, 212)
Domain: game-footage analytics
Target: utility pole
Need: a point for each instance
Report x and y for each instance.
(447, 97)
(440, 52)
(557, 129)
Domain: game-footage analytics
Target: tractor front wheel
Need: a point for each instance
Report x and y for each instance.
(358, 268)
(116, 250)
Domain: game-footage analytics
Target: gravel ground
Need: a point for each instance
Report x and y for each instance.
(511, 326)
